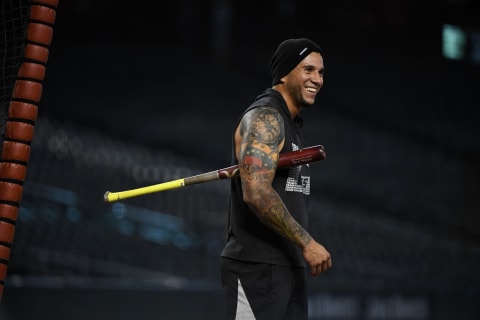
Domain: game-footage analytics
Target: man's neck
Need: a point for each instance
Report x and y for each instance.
(294, 110)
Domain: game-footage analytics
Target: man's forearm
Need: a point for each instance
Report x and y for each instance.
(270, 209)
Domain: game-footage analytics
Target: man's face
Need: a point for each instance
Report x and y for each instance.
(304, 82)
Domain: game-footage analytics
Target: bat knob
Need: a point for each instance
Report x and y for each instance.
(105, 196)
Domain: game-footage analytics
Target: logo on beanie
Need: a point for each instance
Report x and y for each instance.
(301, 52)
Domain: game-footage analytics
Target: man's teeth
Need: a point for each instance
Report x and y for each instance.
(311, 90)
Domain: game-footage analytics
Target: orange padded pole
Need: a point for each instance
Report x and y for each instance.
(19, 129)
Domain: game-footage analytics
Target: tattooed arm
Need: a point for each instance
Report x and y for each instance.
(259, 139)
(262, 134)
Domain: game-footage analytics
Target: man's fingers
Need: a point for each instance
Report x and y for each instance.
(321, 267)
(316, 270)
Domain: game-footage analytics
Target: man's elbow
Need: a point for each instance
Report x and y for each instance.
(257, 197)
(248, 198)
(251, 197)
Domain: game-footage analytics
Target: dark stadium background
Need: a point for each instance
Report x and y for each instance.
(142, 92)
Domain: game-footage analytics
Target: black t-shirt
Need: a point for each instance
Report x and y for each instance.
(248, 239)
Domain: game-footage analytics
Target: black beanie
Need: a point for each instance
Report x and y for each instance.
(289, 54)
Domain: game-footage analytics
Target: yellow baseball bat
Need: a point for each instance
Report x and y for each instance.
(287, 159)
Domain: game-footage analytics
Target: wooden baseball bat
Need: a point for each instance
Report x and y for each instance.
(287, 159)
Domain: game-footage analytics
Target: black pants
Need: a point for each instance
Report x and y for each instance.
(263, 291)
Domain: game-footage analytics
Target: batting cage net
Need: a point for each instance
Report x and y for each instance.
(14, 19)
(13, 31)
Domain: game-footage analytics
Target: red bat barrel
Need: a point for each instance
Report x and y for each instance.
(302, 156)
(285, 160)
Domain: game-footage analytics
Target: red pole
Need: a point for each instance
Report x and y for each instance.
(19, 129)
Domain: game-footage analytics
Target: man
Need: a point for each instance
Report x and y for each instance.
(263, 263)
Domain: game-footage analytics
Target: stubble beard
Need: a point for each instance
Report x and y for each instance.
(296, 91)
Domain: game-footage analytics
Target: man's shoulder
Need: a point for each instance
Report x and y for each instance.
(270, 97)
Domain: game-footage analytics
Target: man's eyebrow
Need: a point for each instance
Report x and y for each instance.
(311, 66)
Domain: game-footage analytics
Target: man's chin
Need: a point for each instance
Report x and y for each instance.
(308, 102)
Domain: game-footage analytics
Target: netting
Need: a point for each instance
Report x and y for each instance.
(13, 28)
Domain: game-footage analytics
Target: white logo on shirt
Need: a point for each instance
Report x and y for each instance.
(295, 181)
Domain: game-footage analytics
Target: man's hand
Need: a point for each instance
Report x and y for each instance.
(317, 258)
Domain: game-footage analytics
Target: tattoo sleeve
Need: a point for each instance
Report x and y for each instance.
(262, 133)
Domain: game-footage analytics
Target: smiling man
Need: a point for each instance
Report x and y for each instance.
(264, 263)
